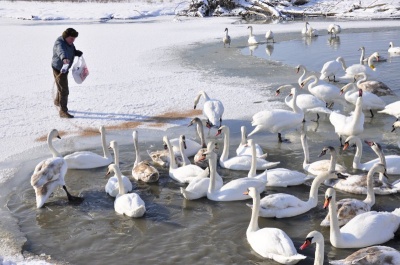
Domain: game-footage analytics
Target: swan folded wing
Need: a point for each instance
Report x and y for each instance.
(349, 208)
(213, 110)
(278, 243)
(129, 204)
(86, 159)
(282, 177)
(47, 171)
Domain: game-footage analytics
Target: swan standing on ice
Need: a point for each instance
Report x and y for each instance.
(278, 120)
(142, 170)
(364, 230)
(392, 109)
(393, 49)
(213, 109)
(269, 242)
(375, 255)
(334, 29)
(348, 208)
(252, 39)
(112, 186)
(50, 173)
(332, 68)
(226, 39)
(349, 125)
(242, 162)
(129, 204)
(269, 36)
(87, 159)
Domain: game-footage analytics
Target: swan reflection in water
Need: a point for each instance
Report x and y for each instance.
(334, 42)
(252, 48)
(309, 40)
(269, 49)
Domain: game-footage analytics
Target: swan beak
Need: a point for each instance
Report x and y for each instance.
(297, 70)
(218, 132)
(277, 92)
(327, 200)
(341, 176)
(291, 94)
(305, 244)
(341, 92)
(369, 143)
(360, 92)
(108, 173)
(165, 147)
(246, 192)
(346, 145)
(322, 153)
(372, 66)
(302, 85)
(393, 128)
(194, 107)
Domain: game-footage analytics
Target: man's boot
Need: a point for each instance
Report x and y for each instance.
(65, 114)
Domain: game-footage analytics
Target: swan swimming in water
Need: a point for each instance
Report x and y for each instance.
(50, 173)
(376, 87)
(334, 29)
(87, 159)
(269, 242)
(269, 36)
(375, 255)
(252, 39)
(393, 49)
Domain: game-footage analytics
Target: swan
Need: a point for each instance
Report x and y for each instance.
(198, 187)
(231, 190)
(348, 208)
(112, 185)
(392, 109)
(269, 242)
(317, 167)
(332, 68)
(129, 204)
(370, 100)
(306, 102)
(200, 132)
(282, 205)
(269, 36)
(245, 149)
(242, 162)
(308, 31)
(87, 159)
(302, 76)
(324, 91)
(376, 87)
(369, 70)
(142, 170)
(349, 125)
(278, 120)
(252, 39)
(375, 255)
(277, 177)
(334, 29)
(393, 49)
(183, 174)
(226, 39)
(213, 109)
(50, 173)
(364, 230)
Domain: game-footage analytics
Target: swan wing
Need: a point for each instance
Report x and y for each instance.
(213, 110)
(86, 160)
(130, 204)
(49, 170)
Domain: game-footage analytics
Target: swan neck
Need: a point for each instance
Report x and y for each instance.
(172, 162)
(253, 226)
(362, 56)
(106, 152)
(319, 253)
(304, 143)
(358, 154)
(313, 196)
(182, 152)
(244, 138)
(120, 182)
(53, 151)
(301, 78)
(212, 161)
(370, 199)
(206, 97)
(253, 167)
(343, 64)
(200, 131)
(358, 110)
(334, 225)
(332, 165)
(116, 154)
(225, 151)
(137, 153)
(295, 108)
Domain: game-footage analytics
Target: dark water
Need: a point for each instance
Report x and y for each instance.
(177, 231)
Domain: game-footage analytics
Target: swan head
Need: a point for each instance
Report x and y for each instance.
(194, 121)
(299, 67)
(361, 48)
(329, 149)
(250, 27)
(346, 87)
(226, 29)
(349, 141)
(312, 237)
(111, 168)
(212, 146)
(278, 90)
(208, 155)
(113, 145)
(374, 146)
(391, 45)
(53, 134)
(395, 125)
(330, 195)
(251, 191)
(221, 129)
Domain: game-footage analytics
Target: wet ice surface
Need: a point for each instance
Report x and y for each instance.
(176, 231)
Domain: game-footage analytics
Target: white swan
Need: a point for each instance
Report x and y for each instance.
(252, 39)
(369, 70)
(332, 68)
(231, 190)
(306, 102)
(198, 187)
(242, 162)
(308, 31)
(303, 75)
(322, 90)
(364, 230)
(245, 149)
(334, 29)
(50, 173)
(87, 159)
(142, 170)
(370, 100)
(226, 39)
(376, 87)
(392, 109)
(375, 255)
(349, 125)
(213, 109)
(269, 242)
(348, 208)
(269, 36)
(183, 174)
(393, 49)
(282, 205)
(278, 120)
(129, 204)
(112, 185)
(315, 168)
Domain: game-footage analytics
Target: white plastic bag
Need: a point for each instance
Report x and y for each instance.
(80, 70)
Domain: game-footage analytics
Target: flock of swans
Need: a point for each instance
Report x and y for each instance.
(361, 227)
